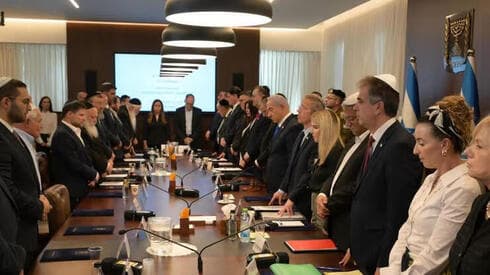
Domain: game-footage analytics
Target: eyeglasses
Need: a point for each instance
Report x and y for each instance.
(25, 101)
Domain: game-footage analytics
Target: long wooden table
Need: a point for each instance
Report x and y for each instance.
(228, 257)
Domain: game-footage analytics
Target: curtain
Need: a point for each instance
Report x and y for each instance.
(292, 73)
(365, 41)
(41, 66)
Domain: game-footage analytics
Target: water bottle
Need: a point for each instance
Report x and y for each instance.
(231, 226)
(244, 223)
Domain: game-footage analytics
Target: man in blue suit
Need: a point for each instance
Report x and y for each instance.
(389, 177)
(71, 163)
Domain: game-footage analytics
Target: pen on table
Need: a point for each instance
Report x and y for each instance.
(328, 268)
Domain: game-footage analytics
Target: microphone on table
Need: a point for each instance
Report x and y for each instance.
(235, 186)
(198, 253)
(186, 192)
(187, 203)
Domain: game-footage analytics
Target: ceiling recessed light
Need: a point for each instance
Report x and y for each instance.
(75, 4)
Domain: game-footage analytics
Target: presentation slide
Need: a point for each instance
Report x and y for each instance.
(138, 75)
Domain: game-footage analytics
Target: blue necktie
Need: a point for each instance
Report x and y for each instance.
(276, 131)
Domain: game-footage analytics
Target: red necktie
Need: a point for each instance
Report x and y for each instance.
(367, 154)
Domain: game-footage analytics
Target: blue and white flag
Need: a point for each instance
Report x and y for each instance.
(411, 106)
(469, 90)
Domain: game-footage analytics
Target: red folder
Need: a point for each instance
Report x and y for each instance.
(311, 245)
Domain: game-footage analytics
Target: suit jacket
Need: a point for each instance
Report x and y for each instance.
(382, 197)
(98, 151)
(265, 145)
(12, 256)
(156, 133)
(232, 125)
(111, 124)
(298, 174)
(257, 134)
(470, 252)
(196, 126)
(339, 203)
(280, 149)
(19, 175)
(71, 163)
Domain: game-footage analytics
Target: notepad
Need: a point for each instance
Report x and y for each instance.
(257, 198)
(116, 176)
(227, 169)
(294, 269)
(105, 195)
(134, 160)
(311, 245)
(111, 184)
(92, 212)
(353, 272)
(65, 254)
(266, 208)
(274, 216)
(90, 230)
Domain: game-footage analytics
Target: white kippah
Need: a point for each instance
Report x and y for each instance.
(351, 99)
(388, 79)
(4, 80)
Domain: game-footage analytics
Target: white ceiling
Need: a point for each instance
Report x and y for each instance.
(286, 13)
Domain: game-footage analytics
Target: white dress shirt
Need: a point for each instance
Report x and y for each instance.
(49, 122)
(30, 143)
(76, 130)
(435, 216)
(378, 134)
(188, 122)
(348, 155)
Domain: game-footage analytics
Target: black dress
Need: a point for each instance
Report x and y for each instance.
(156, 133)
(470, 253)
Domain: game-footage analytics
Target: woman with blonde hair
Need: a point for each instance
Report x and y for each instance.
(443, 201)
(470, 253)
(326, 132)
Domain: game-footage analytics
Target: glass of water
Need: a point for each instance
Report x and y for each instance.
(161, 226)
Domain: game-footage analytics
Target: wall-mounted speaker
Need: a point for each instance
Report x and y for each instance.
(238, 80)
(90, 81)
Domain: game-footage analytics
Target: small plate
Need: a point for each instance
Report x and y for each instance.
(226, 202)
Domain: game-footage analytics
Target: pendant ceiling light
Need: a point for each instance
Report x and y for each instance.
(198, 37)
(175, 72)
(219, 13)
(173, 75)
(183, 62)
(187, 53)
(177, 68)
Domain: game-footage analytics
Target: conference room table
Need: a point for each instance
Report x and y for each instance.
(227, 257)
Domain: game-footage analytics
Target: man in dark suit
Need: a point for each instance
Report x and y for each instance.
(305, 150)
(188, 123)
(71, 164)
(210, 134)
(224, 109)
(233, 118)
(12, 256)
(111, 120)
(259, 93)
(282, 141)
(129, 118)
(101, 155)
(389, 177)
(335, 198)
(17, 168)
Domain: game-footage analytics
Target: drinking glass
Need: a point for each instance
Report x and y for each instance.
(161, 226)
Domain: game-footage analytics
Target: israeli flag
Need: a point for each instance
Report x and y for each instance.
(469, 90)
(411, 105)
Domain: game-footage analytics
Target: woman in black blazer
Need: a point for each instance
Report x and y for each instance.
(326, 132)
(470, 253)
(156, 130)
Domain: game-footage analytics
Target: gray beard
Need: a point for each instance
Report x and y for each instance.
(92, 131)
